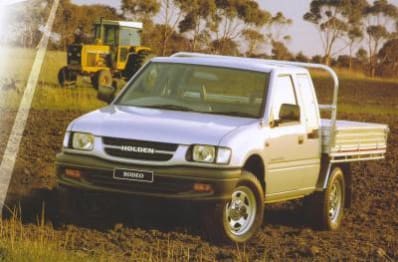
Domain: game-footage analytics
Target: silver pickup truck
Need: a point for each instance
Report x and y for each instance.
(236, 133)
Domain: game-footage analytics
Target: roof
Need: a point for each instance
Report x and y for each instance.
(129, 24)
(251, 64)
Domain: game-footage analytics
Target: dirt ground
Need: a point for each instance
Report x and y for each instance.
(171, 231)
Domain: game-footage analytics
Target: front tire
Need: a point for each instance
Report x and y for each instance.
(327, 207)
(238, 219)
(66, 76)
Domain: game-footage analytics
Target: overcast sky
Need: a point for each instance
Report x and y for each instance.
(304, 36)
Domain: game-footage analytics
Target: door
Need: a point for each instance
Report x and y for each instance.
(312, 146)
(285, 148)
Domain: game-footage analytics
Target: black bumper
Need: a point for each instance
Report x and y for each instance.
(175, 182)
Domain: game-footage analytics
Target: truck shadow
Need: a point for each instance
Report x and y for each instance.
(146, 214)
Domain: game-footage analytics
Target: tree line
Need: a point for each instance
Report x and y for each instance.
(355, 34)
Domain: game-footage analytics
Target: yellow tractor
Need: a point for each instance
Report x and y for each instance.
(116, 53)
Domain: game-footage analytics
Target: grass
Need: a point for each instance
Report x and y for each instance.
(354, 91)
(19, 242)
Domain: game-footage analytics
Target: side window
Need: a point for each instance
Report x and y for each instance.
(283, 94)
(110, 35)
(308, 98)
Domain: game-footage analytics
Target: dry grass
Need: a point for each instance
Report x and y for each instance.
(39, 242)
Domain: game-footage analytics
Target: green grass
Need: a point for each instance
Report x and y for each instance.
(358, 93)
(48, 95)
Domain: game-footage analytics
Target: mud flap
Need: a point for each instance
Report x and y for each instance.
(326, 168)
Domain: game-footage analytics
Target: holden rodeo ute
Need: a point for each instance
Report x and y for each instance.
(236, 133)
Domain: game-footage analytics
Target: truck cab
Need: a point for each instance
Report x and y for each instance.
(235, 133)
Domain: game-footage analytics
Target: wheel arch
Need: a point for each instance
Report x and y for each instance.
(255, 165)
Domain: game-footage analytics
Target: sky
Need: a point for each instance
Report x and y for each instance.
(305, 37)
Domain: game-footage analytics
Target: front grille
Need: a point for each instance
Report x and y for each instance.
(74, 54)
(140, 150)
(91, 59)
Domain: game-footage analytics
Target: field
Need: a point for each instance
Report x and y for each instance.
(151, 232)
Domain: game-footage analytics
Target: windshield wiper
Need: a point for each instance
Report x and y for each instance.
(234, 113)
(171, 107)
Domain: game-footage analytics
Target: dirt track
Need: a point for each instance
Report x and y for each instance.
(369, 229)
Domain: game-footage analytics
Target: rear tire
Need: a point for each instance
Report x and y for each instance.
(238, 219)
(66, 76)
(102, 78)
(326, 209)
(135, 62)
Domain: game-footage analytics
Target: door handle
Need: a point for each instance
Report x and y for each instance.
(300, 140)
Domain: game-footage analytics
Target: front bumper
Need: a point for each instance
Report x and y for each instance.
(169, 182)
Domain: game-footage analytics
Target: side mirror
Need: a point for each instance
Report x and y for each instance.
(289, 113)
(106, 93)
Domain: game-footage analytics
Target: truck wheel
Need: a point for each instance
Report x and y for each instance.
(238, 219)
(66, 76)
(328, 206)
(102, 78)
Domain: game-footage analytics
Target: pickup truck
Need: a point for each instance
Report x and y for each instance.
(233, 133)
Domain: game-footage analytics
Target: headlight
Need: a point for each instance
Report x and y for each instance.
(211, 154)
(204, 153)
(83, 141)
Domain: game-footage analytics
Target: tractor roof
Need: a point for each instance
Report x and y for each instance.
(129, 24)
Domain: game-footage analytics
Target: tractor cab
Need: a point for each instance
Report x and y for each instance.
(116, 52)
(118, 33)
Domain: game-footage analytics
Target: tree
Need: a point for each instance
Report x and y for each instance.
(225, 46)
(380, 19)
(331, 20)
(277, 27)
(70, 16)
(353, 10)
(24, 22)
(140, 9)
(317, 59)
(362, 57)
(254, 40)
(355, 36)
(233, 16)
(199, 15)
(280, 51)
(170, 15)
(301, 57)
(388, 58)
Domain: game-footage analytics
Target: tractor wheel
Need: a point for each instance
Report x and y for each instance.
(135, 62)
(66, 77)
(102, 78)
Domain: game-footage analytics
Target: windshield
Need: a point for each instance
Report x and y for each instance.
(196, 88)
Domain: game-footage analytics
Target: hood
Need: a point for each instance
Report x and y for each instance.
(158, 125)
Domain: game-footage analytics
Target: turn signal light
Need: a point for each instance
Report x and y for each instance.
(202, 188)
(72, 173)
